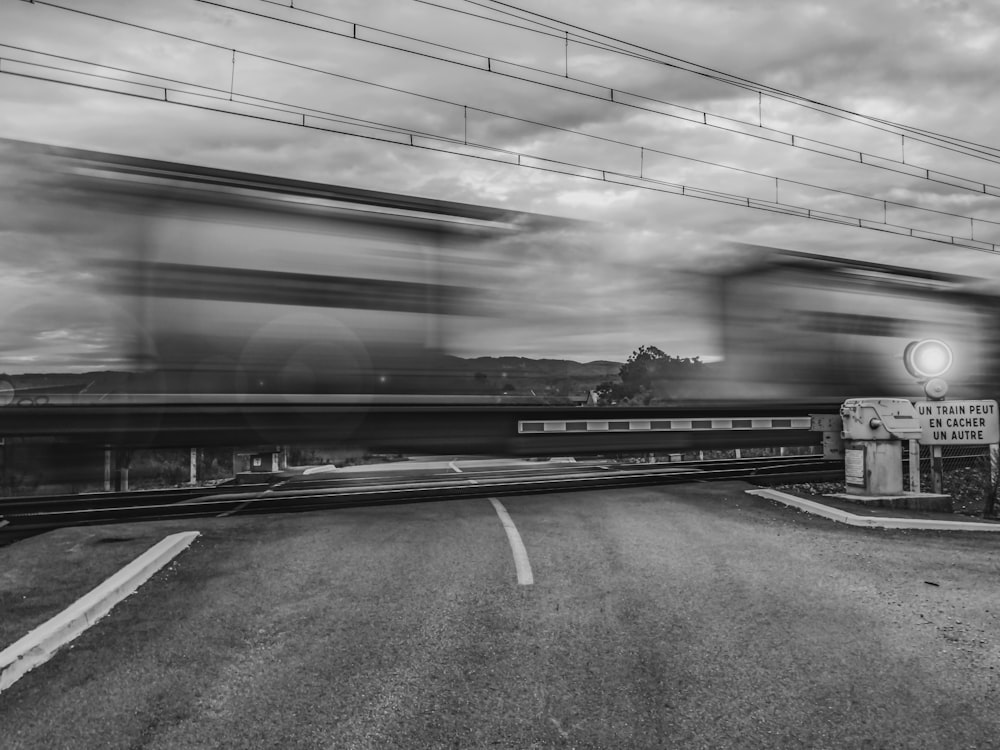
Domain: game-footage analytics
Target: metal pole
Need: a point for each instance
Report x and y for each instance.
(122, 458)
(914, 461)
(937, 470)
(990, 506)
(108, 454)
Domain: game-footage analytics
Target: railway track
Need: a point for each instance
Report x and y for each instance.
(26, 516)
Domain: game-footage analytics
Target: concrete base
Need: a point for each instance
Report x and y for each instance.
(874, 522)
(905, 500)
(881, 467)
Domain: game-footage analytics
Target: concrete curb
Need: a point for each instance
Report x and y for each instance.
(876, 522)
(38, 646)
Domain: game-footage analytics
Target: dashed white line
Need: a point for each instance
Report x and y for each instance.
(454, 467)
(521, 564)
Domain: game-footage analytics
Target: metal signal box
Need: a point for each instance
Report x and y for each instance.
(873, 431)
(879, 419)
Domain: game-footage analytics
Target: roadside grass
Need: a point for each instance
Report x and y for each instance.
(968, 484)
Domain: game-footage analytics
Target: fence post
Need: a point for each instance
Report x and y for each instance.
(914, 466)
(991, 498)
(107, 468)
(937, 470)
(122, 459)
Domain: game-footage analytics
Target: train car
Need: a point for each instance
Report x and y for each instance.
(800, 325)
(231, 285)
(238, 284)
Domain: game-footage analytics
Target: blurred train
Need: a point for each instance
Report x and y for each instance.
(801, 325)
(234, 285)
(228, 283)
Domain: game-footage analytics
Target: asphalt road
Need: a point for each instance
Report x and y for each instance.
(676, 617)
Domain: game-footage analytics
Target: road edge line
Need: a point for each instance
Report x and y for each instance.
(41, 644)
(879, 522)
(521, 563)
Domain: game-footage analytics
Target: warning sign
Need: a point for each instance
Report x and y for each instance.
(958, 422)
(854, 467)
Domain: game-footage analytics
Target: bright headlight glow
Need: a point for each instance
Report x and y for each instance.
(929, 358)
(933, 359)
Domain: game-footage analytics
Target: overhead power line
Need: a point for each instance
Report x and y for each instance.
(795, 141)
(623, 47)
(641, 151)
(219, 100)
(632, 100)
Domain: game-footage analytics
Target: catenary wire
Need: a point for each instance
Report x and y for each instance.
(458, 105)
(768, 177)
(544, 164)
(788, 138)
(698, 69)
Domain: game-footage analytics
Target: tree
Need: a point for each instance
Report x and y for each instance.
(640, 368)
(648, 374)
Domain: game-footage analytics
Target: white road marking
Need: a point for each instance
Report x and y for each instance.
(319, 469)
(454, 467)
(882, 522)
(521, 564)
(3, 522)
(38, 646)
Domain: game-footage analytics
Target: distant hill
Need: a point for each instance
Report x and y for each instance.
(547, 367)
(599, 368)
(539, 377)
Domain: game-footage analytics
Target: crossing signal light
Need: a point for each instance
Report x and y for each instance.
(927, 359)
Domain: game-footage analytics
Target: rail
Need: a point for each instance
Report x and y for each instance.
(29, 515)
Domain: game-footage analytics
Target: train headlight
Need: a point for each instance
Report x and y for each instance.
(928, 358)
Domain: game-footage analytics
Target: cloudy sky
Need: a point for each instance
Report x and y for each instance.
(594, 111)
